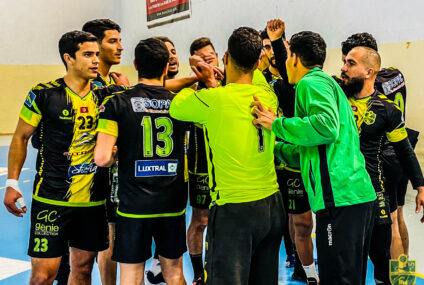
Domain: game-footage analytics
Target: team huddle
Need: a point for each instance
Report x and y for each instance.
(255, 148)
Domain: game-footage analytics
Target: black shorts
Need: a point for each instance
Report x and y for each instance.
(200, 197)
(133, 238)
(243, 242)
(343, 236)
(55, 228)
(396, 181)
(294, 194)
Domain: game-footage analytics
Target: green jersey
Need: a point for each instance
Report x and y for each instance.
(323, 134)
(240, 156)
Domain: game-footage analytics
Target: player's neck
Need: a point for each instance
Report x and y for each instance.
(79, 85)
(366, 91)
(274, 71)
(236, 76)
(104, 69)
(151, 81)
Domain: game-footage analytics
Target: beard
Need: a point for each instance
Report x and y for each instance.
(353, 86)
(172, 74)
(272, 62)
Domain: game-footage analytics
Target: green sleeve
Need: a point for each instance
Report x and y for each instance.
(191, 106)
(319, 125)
(288, 153)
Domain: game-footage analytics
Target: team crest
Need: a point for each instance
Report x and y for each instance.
(369, 117)
(402, 271)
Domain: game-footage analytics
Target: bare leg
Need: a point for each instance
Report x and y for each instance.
(396, 247)
(199, 221)
(81, 266)
(131, 273)
(107, 266)
(44, 270)
(303, 229)
(403, 230)
(172, 270)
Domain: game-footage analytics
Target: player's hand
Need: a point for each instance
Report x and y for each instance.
(218, 72)
(208, 58)
(275, 29)
(11, 196)
(263, 117)
(194, 60)
(205, 73)
(420, 201)
(120, 79)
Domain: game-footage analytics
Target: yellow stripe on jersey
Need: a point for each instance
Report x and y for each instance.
(397, 135)
(68, 204)
(29, 117)
(108, 127)
(151, 215)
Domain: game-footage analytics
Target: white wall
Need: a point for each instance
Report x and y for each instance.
(388, 20)
(30, 29)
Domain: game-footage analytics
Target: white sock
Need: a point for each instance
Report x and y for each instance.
(155, 267)
(311, 271)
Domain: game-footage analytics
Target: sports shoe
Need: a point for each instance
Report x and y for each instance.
(198, 281)
(311, 281)
(154, 279)
(290, 261)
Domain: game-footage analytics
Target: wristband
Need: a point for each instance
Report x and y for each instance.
(13, 183)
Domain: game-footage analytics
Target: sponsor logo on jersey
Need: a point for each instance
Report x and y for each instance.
(97, 83)
(393, 84)
(148, 168)
(82, 169)
(84, 109)
(30, 99)
(65, 116)
(140, 104)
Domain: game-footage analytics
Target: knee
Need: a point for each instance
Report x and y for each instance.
(82, 269)
(199, 223)
(41, 278)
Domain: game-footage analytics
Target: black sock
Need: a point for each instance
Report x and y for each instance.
(197, 263)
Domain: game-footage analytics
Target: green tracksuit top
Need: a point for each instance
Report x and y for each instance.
(240, 156)
(324, 142)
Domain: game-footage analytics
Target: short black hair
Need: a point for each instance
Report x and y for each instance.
(164, 39)
(200, 43)
(310, 47)
(264, 34)
(99, 26)
(69, 43)
(359, 39)
(244, 47)
(151, 57)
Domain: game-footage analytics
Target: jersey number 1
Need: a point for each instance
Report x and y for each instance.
(164, 136)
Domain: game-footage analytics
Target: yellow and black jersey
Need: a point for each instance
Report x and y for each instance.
(66, 131)
(100, 81)
(151, 152)
(377, 119)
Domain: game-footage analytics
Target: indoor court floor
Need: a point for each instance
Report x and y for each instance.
(14, 232)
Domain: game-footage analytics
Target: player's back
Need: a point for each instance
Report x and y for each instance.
(241, 157)
(150, 150)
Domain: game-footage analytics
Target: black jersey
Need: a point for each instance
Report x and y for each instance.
(390, 82)
(66, 125)
(102, 82)
(377, 119)
(151, 149)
